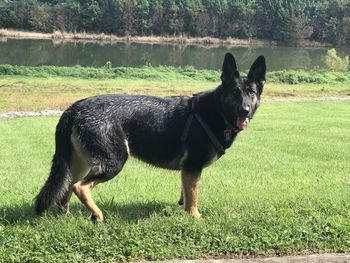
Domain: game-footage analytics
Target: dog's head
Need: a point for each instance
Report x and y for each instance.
(239, 97)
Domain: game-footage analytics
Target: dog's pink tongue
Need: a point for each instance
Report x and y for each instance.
(242, 123)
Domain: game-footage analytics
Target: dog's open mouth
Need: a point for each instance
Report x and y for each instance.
(242, 123)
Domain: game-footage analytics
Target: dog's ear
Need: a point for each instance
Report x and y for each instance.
(257, 71)
(229, 69)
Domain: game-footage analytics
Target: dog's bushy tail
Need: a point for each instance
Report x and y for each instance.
(57, 185)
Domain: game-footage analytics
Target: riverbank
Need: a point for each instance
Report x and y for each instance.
(184, 40)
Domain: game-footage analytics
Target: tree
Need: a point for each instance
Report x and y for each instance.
(110, 18)
(72, 16)
(41, 19)
(157, 18)
(90, 11)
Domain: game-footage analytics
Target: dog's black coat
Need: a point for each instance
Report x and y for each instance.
(110, 127)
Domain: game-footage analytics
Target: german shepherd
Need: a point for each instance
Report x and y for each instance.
(95, 136)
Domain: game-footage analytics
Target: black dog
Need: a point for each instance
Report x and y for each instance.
(95, 136)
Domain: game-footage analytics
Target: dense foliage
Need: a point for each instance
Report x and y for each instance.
(285, 21)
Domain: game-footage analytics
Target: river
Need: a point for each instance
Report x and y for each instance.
(96, 54)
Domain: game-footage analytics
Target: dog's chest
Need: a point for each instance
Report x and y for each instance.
(174, 163)
(213, 158)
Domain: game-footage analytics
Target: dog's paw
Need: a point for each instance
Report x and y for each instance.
(96, 220)
(196, 214)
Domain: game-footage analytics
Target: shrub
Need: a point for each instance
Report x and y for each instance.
(335, 62)
(170, 73)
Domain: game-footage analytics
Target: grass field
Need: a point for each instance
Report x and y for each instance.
(283, 188)
(24, 88)
(38, 93)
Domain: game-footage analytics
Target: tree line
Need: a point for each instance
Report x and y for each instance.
(285, 21)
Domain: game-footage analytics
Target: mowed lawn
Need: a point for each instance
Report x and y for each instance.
(282, 188)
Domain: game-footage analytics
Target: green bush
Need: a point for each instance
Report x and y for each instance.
(335, 62)
(170, 73)
(304, 76)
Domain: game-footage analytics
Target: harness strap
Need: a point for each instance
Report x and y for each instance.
(193, 115)
(220, 150)
(187, 129)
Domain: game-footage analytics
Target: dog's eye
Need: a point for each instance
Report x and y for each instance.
(251, 92)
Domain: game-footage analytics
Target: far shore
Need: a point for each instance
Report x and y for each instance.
(207, 41)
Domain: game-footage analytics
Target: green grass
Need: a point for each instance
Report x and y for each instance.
(26, 93)
(283, 188)
(24, 88)
(29, 93)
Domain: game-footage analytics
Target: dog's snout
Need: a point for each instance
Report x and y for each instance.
(244, 111)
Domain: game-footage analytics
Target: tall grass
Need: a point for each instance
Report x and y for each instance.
(181, 39)
(283, 188)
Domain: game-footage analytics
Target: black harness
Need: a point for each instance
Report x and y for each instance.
(228, 133)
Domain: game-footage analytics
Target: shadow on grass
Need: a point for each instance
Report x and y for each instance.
(25, 214)
(17, 214)
(138, 210)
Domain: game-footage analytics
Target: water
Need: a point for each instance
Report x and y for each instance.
(96, 54)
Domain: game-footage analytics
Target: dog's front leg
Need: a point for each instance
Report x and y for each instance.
(190, 181)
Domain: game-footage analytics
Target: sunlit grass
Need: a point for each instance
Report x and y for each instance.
(33, 94)
(283, 188)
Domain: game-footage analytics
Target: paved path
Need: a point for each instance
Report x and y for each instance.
(319, 258)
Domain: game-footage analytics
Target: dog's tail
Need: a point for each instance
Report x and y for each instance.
(60, 178)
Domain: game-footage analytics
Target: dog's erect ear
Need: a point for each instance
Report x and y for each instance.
(257, 71)
(229, 68)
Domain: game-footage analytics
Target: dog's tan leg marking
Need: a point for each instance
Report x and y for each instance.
(83, 191)
(190, 181)
(79, 167)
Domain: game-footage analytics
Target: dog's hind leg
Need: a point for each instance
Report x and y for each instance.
(106, 150)
(98, 174)
(79, 168)
(190, 181)
(83, 190)
(64, 202)
(181, 199)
